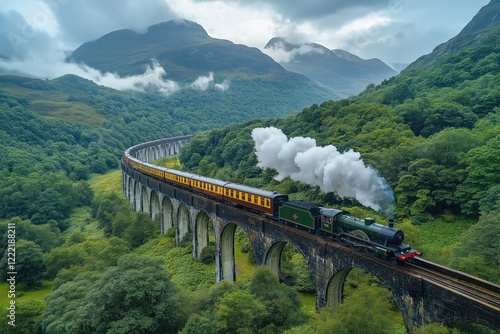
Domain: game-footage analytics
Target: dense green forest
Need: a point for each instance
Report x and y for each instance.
(433, 133)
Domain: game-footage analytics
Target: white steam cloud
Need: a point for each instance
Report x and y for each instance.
(345, 174)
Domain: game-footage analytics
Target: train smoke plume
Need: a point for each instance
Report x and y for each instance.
(345, 174)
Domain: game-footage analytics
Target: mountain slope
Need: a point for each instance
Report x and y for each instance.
(482, 29)
(341, 71)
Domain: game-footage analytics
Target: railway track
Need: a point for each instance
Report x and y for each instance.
(484, 292)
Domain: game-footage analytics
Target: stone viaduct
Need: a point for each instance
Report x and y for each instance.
(419, 300)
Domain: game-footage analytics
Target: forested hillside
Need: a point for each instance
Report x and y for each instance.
(433, 133)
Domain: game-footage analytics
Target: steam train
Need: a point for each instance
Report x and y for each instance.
(364, 235)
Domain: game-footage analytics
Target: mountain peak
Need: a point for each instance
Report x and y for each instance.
(177, 26)
(346, 74)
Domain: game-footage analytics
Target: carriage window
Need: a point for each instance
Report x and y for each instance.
(261, 201)
(256, 199)
(268, 202)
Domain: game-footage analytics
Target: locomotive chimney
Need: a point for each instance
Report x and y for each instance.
(391, 219)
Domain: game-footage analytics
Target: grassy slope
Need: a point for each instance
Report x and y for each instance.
(54, 104)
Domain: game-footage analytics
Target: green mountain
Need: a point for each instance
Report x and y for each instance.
(344, 73)
(185, 51)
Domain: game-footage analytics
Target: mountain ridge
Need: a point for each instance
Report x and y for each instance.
(339, 70)
(182, 48)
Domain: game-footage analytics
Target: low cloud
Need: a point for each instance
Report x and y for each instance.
(202, 83)
(279, 53)
(223, 86)
(152, 78)
(205, 82)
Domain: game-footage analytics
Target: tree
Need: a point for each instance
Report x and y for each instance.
(360, 313)
(482, 174)
(66, 310)
(28, 318)
(280, 301)
(136, 296)
(239, 312)
(478, 251)
(28, 264)
(65, 256)
(141, 229)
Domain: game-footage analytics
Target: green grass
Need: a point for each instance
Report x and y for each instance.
(22, 293)
(82, 221)
(243, 266)
(438, 236)
(308, 303)
(108, 183)
(71, 112)
(55, 105)
(169, 162)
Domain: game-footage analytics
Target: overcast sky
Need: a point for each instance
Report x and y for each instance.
(35, 34)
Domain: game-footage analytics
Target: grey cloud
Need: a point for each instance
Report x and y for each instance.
(19, 39)
(84, 20)
(299, 10)
(78, 21)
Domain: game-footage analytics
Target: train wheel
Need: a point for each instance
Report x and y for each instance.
(360, 234)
